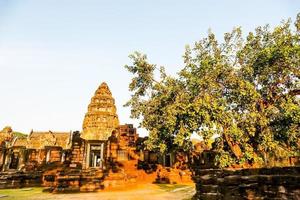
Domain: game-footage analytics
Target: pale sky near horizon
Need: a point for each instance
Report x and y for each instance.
(55, 53)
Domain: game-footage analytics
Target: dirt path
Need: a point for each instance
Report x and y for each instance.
(142, 192)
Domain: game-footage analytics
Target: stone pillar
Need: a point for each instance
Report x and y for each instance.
(2, 152)
(39, 157)
(108, 150)
(7, 160)
(22, 158)
(48, 155)
(2, 158)
(102, 156)
(63, 157)
(87, 158)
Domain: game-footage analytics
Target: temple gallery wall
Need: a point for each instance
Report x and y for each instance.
(93, 147)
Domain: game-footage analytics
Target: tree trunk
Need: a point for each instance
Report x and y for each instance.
(235, 148)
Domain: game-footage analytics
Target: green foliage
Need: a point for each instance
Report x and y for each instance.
(19, 134)
(224, 159)
(244, 90)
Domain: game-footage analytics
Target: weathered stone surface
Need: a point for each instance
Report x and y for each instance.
(208, 179)
(209, 188)
(6, 135)
(266, 183)
(101, 118)
(40, 140)
(232, 180)
(20, 179)
(210, 196)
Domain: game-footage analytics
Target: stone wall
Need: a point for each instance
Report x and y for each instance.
(55, 154)
(20, 179)
(77, 154)
(263, 183)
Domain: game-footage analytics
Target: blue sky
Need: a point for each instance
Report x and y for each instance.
(55, 53)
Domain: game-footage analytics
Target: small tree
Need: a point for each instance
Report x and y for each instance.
(244, 91)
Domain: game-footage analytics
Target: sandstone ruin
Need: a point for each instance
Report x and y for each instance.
(104, 154)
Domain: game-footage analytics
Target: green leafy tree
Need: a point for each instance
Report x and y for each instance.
(244, 90)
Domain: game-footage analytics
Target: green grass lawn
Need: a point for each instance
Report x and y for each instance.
(36, 193)
(23, 194)
(188, 190)
(171, 187)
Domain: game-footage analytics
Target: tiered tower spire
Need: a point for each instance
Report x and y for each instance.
(101, 118)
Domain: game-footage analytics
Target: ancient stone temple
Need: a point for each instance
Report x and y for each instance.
(36, 149)
(103, 154)
(101, 140)
(98, 124)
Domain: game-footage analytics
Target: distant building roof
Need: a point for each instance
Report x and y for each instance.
(39, 140)
(20, 142)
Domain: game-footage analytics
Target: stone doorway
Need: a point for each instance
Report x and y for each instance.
(14, 161)
(96, 155)
(95, 159)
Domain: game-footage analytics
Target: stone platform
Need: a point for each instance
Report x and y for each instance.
(15, 179)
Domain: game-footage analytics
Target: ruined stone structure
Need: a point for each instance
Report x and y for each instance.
(103, 154)
(264, 183)
(99, 123)
(101, 139)
(35, 150)
(256, 183)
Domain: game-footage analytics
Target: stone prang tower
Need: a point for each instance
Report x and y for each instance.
(101, 118)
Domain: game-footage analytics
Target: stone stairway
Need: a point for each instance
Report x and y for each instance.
(67, 181)
(91, 180)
